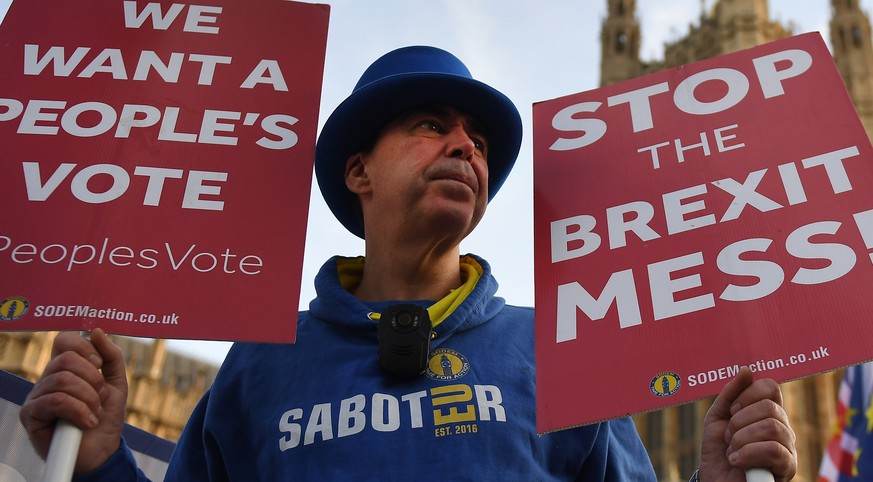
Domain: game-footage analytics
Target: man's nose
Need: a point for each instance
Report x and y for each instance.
(459, 144)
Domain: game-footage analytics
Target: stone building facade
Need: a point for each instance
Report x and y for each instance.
(672, 436)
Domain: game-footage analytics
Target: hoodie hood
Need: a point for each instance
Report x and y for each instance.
(335, 305)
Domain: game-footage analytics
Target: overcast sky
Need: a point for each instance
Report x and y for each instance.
(531, 51)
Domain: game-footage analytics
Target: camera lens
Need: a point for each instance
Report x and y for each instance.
(404, 319)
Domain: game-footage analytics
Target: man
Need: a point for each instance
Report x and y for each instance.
(409, 162)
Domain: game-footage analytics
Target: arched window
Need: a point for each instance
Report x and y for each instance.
(621, 42)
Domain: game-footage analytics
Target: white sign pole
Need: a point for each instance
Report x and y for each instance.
(759, 475)
(61, 459)
(64, 449)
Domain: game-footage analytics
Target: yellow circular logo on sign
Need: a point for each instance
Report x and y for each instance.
(13, 308)
(665, 384)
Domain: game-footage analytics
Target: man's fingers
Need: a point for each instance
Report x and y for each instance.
(47, 408)
(776, 457)
(759, 433)
(73, 386)
(73, 341)
(764, 389)
(727, 398)
(764, 411)
(85, 384)
(759, 427)
(112, 358)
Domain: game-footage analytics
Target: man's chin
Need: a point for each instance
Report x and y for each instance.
(462, 221)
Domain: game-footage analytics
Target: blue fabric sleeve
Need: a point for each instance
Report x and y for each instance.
(197, 456)
(618, 455)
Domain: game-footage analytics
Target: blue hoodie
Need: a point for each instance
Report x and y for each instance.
(322, 409)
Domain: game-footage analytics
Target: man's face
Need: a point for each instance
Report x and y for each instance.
(428, 170)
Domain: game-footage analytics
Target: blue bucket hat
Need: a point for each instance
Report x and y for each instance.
(397, 82)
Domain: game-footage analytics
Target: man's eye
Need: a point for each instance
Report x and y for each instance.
(430, 125)
(481, 146)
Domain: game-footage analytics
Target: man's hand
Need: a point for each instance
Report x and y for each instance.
(745, 428)
(84, 383)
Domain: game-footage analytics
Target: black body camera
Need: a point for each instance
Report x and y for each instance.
(404, 340)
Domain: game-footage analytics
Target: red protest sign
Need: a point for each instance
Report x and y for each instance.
(694, 221)
(157, 163)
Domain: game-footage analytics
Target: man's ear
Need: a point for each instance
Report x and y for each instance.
(357, 179)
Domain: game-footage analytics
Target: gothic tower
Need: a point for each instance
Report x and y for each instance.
(620, 43)
(730, 25)
(743, 24)
(853, 54)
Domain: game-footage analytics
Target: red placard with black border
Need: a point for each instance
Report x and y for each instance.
(156, 165)
(697, 220)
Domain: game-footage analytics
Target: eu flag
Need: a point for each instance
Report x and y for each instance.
(849, 454)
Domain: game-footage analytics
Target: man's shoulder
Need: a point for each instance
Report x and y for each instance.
(520, 311)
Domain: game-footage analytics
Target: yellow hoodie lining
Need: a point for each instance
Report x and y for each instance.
(350, 271)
